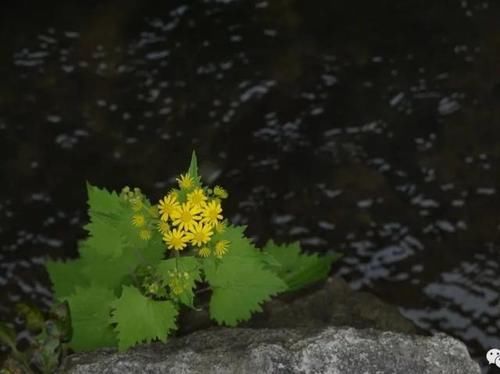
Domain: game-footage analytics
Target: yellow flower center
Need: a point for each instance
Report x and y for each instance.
(221, 247)
(167, 206)
(197, 197)
(212, 213)
(185, 181)
(186, 217)
(138, 220)
(176, 239)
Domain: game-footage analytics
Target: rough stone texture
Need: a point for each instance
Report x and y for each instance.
(332, 303)
(307, 332)
(334, 350)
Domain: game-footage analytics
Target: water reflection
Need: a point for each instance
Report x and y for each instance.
(373, 133)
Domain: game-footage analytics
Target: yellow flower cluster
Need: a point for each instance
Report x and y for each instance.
(190, 216)
(144, 215)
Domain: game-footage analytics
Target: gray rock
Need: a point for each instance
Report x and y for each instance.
(331, 303)
(334, 350)
(307, 332)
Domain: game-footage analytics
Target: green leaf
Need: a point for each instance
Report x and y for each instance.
(108, 272)
(113, 268)
(240, 246)
(240, 281)
(65, 276)
(113, 250)
(153, 249)
(103, 203)
(90, 311)
(103, 258)
(193, 167)
(113, 229)
(185, 264)
(296, 268)
(193, 173)
(140, 319)
(105, 237)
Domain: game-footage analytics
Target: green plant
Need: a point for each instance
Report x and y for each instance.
(47, 340)
(143, 263)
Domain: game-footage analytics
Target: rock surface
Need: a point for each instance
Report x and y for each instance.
(326, 329)
(334, 350)
(332, 303)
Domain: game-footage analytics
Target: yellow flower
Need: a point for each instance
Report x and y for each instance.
(185, 216)
(220, 192)
(185, 181)
(200, 234)
(163, 227)
(197, 197)
(138, 220)
(211, 213)
(167, 206)
(176, 239)
(221, 247)
(204, 252)
(145, 234)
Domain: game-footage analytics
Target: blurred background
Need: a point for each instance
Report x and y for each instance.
(369, 128)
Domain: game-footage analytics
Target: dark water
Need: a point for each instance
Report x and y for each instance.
(371, 128)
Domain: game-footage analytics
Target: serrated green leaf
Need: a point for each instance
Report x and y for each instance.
(239, 290)
(240, 250)
(140, 319)
(296, 268)
(111, 224)
(109, 272)
(90, 311)
(239, 281)
(153, 249)
(108, 260)
(240, 245)
(130, 236)
(105, 237)
(188, 264)
(103, 203)
(65, 276)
